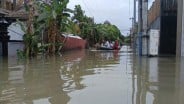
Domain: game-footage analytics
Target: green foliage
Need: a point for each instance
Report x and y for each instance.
(43, 47)
(94, 32)
(20, 54)
(78, 14)
(127, 39)
(47, 15)
(53, 18)
(85, 23)
(55, 11)
(30, 40)
(107, 31)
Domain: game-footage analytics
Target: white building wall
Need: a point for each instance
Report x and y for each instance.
(15, 32)
(153, 42)
(144, 46)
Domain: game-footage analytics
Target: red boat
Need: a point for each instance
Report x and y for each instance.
(72, 42)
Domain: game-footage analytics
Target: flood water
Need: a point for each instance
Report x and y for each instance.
(92, 77)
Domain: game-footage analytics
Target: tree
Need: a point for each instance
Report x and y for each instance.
(86, 24)
(127, 39)
(94, 32)
(107, 31)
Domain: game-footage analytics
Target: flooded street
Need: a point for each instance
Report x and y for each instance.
(92, 77)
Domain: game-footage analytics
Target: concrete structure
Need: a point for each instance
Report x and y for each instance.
(162, 15)
(140, 26)
(153, 44)
(133, 30)
(144, 27)
(168, 27)
(180, 29)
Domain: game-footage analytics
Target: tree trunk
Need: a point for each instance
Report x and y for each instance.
(52, 32)
(29, 31)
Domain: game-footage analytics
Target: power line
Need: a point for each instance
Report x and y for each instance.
(87, 8)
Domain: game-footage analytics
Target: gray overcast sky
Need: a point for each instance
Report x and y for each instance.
(117, 12)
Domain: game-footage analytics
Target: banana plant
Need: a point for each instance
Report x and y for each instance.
(54, 17)
(49, 18)
(29, 37)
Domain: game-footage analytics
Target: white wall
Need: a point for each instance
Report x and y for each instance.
(15, 32)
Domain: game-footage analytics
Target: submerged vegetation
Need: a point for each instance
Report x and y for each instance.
(47, 21)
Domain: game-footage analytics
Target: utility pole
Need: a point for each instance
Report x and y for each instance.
(144, 27)
(134, 21)
(134, 28)
(134, 49)
(139, 16)
(140, 21)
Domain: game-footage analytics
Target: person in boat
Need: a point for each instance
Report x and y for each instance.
(111, 44)
(97, 45)
(107, 44)
(116, 45)
(102, 43)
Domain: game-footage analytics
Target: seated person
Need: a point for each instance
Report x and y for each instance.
(107, 44)
(116, 45)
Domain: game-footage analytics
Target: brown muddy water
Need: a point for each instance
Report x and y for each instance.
(92, 77)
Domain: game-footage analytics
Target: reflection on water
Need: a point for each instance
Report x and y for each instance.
(13, 47)
(47, 80)
(92, 77)
(158, 81)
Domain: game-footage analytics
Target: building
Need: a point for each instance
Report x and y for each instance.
(10, 31)
(180, 29)
(162, 16)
